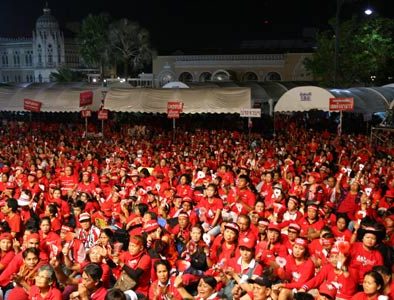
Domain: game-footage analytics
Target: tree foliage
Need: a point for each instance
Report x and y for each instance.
(366, 53)
(130, 42)
(66, 75)
(93, 40)
(103, 43)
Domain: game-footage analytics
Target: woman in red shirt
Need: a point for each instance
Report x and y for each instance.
(210, 209)
(6, 251)
(297, 270)
(363, 255)
(225, 248)
(340, 230)
(163, 287)
(373, 285)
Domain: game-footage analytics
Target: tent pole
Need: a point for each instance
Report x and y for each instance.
(173, 130)
(340, 123)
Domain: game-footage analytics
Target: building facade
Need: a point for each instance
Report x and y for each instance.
(34, 59)
(238, 67)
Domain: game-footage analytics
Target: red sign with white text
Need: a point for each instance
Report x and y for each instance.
(174, 108)
(86, 113)
(341, 104)
(102, 114)
(32, 105)
(85, 98)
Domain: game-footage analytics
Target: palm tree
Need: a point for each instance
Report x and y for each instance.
(93, 40)
(131, 43)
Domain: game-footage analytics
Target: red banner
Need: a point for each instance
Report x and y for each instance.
(32, 105)
(85, 98)
(102, 114)
(86, 113)
(341, 104)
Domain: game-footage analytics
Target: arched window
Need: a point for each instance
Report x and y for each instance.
(221, 75)
(273, 76)
(40, 78)
(39, 50)
(250, 76)
(205, 76)
(50, 54)
(186, 77)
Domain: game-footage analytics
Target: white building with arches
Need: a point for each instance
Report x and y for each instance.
(34, 59)
(237, 67)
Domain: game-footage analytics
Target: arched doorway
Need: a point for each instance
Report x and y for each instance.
(186, 77)
(250, 76)
(205, 76)
(273, 76)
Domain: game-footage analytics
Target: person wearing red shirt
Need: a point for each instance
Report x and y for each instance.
(6, 252)
(349, 200)
(163, 287)
(241, 199)
(224, 247)
(10, 210)
(373, 286)
(363, 255)
(49, 240)
(31, 184)
(335, 273)
(210, 209)
(137, 264)
(298, 269)
(267, 251)
(245, 231)
(43, 289)
(68, 181)
(183, 189)
(293, 232)
(86, 185)
(340, 230)
(310, 224)
(56, 197)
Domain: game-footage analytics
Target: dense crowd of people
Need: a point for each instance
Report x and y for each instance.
(213, 214)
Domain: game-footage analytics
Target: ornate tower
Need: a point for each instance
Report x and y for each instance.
(48, 46)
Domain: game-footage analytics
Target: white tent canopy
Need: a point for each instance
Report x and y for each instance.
(366, 99)
(53, 96)
(199, 100)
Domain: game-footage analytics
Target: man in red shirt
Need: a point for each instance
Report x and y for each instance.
(10, 210)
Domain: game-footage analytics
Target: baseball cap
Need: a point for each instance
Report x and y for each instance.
(84, 217)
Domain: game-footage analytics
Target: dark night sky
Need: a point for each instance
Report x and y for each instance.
(193, 24)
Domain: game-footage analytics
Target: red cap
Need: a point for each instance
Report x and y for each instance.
(6, 236)
(389, 194)
(232, 226)
(247, 242)
(274, 226)
(187, 199)
(33, 236)
(33, 174)
(183, 215)
(150, 226)
(301, 242)
(295, 227)
(67, 228)
(328, 290)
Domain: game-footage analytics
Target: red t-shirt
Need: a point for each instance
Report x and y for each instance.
(298, 273)
(363, 260)
(53, 294)
(144, 263)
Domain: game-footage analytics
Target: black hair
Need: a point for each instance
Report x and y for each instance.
(33, 250)
(303, 296)
(143, 208)
(53, 209)
(145, 172)
(94, 271)
(13, 204)
(80, 204)
(344, 217)
(164, 263)
(382, 270)
(210, 280)
(45, 219)
(378, 279)
(115, 294)
(108, 232)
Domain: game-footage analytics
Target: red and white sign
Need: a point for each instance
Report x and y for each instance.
(32, 105)
(174, 109)
(86, 113)
(341, 104)
(85, 98)
(102, 114)
(250, 112)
